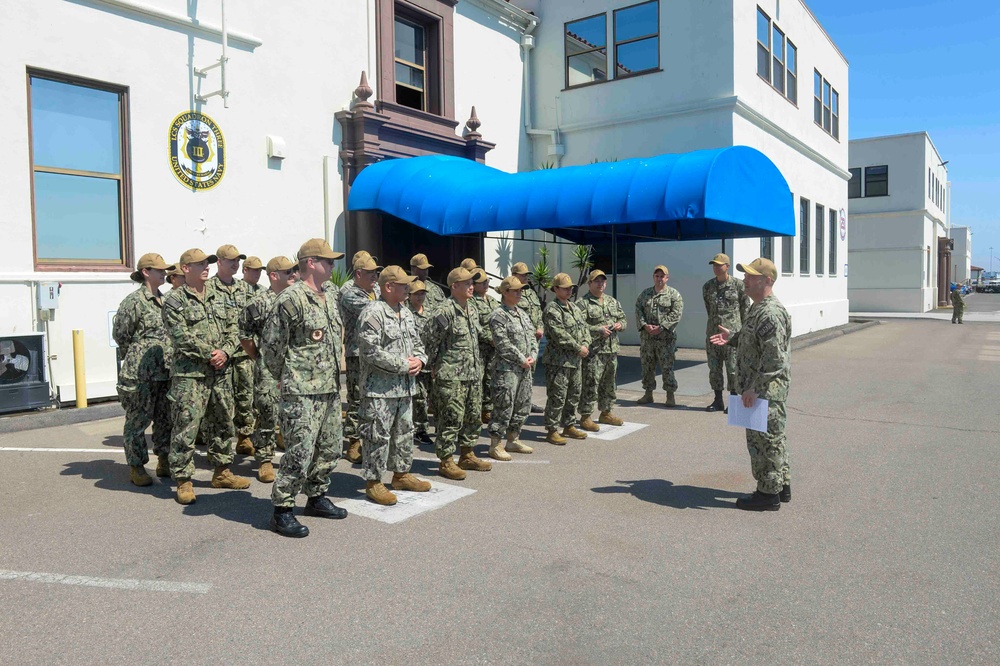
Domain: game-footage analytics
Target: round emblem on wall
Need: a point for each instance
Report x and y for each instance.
(843, 224)
(197, 151)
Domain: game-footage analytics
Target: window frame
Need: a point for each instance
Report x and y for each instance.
(616, 43)
(566, 56)
(820, 247)
(826, 105)
(767, 247)
(787, 75)
(868, 183)
(861, 192)
(404, 18)
(124, 178)
(805, 211)
(834, 216)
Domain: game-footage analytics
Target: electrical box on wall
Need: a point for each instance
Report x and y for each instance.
(276, 147)
(48, 295)
(24, 382)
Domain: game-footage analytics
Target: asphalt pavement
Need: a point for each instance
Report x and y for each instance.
(627, 551)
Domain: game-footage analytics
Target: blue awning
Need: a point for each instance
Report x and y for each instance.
(734, 192)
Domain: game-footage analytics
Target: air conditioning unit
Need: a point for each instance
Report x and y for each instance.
(24, 379)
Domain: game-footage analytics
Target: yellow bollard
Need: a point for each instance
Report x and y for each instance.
(79, 370)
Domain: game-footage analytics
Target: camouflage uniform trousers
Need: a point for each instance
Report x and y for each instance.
(562, 395)
(769, 451)
(420, 399)
(600, 374)
(312, 430)
(721, 357)
(266, 400)
(458, 404)
(958, 311)
(386, 436)
(486, 353)
(205, 403)
(243, 376)
(511, 401)
(146, 403)
(353, 397)
(658, 351)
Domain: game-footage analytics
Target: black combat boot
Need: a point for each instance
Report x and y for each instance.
(717, 404)
(323, 508)
(759, 502)
(786, 493)
(284, 523)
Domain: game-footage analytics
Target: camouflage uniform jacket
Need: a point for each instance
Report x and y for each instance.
(726, 304)
(386, 338)
(353, 299)
(664, 309)
(142, 341)
(301, 341)
(764, 350)
(529, 303)
(422, 322)
(957, 298)
(566, 330)
(236, 296)
(252, 320)
(254, 289)
(197, 327)
(453, 342)
(350, 283)
(606, 311)
(485, 305)
(514, 336)
(435, 296)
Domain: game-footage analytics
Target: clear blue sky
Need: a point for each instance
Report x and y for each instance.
(930, 65)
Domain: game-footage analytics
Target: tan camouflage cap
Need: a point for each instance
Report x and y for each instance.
(253, 263)
(720, 259)
(459, 275)
(229, 252)
(417, 286)
(175, 270)
(520, 268)
(150, 260)
(470, 264)
(194, 255)
(511, 283)
(317, 247)
(596, 273)
(366, 264)
(280, 264)
(420, 261)
(759, 266)
(394, 274)
(479, 275)
(561, 280)
(662, 269)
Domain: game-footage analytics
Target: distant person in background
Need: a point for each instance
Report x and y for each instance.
(957, 304)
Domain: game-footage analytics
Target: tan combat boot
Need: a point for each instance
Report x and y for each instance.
(468, 460)
(573, 433)
(353, 452)
(670, 399)
(496, 450)
(646, 398)
(379, 494)
(244, 446)
(138, 475)
(223, 478)
(185, 492)
(280, 440)
(407, 481)
(555, 438)
(588, 424)
(449, 470)
(514, 445)
(265, 473)
(609, 419)
(163, 466)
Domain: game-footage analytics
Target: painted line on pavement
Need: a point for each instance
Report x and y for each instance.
(408, 504)
(610, 433)
(57, 450)
(109, 583)
(503, 462)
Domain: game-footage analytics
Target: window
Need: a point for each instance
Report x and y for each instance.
(820, 250)
(410, 53)
(776, 57)
(787, 260)
(778, 60)
(877, 181)
(637, 41)
(767, 247)
(803, 236)
(826, 105)
(79, 163)
(600, 254)
(763, 46)
(587, 50)
(854, 184)
(832, 270)
(792, 85)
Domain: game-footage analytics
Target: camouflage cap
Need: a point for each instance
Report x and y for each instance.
(561, 280)
(150, 260)
(394, 274)
(360, 254)
(470, 264)
(194, 255)
(596, 273)
(479, 275)
(253, 263)
(458, 275)
(662, 269)
(229, 252)
(759, 266)
(417, 286)
(366, 264)
(511, 283)
(175, 270)
(317, 247)
(280, 264)
(720, 259)
(520, 268)
(420, 261)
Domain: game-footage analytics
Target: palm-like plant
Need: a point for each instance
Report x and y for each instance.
(583, 261)
(541, 272)
(339, 276)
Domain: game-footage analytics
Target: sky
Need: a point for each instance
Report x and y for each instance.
(934, 66)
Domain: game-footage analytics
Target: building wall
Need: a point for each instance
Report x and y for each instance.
(961, 256)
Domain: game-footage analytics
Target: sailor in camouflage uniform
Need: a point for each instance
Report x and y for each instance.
(355, 297)
(419, 266)
(529, 299)
(421, 318)
(175, 278)
(513, 366)
(358, 256)
(568, 337)
(726, 303)
(236, 294)
(957, 304)
(281, 271)
(605, 319)
(485, 305)
(301, 346)
(144, 377)
(453, 354)
(392, 355)
(764, 370)
(658, 310)
(252, 268)
(196, 317)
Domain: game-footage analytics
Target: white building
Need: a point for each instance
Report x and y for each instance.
(961, 255)
(899, 250)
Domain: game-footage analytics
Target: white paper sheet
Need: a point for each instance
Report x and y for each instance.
(754, 418)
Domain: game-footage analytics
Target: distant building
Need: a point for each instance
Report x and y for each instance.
(899, 250)
(961, 255)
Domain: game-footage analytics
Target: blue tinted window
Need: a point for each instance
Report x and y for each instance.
(77, 217)
(638, 21)
(638, 56)
(74, 127)
(588, 33)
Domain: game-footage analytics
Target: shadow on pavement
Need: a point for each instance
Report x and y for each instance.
(344, 485)
(665, 493)
(238, 506)
(113, 475)
(115, 441)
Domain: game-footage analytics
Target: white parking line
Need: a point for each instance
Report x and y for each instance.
(516, 460)
(110, 583)
(58, 450)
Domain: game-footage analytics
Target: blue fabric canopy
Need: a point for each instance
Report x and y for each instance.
(733, 192)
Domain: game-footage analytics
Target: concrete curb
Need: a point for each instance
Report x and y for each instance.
(59, 417)
(811, 339)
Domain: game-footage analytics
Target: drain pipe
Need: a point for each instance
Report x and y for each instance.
(555, 150)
